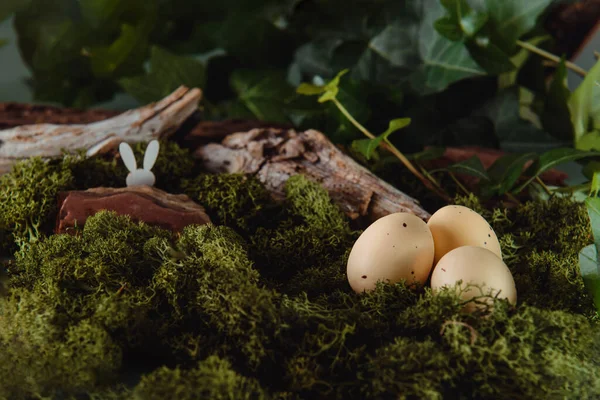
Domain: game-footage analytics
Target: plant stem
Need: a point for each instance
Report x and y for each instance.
(392, 149)
(460, 185)
(344, 111)
(512, 198)
(550, 56)
(543, 185)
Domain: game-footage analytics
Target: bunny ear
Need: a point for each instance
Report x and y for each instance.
(151, 155)
(127, 156)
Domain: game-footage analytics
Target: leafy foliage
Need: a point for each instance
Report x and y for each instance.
(248, 63)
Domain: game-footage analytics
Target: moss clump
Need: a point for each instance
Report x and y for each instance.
(235, 200)
(212, 378)
(310, 245)
(28, 194)
(28, 200)
(540, 243)
(260, 307)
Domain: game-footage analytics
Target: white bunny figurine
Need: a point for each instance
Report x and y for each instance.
(139, 176)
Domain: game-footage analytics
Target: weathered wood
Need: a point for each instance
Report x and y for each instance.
(273, 155)
(142, 203)
(154, 121)
(17, 114)
(210, 131)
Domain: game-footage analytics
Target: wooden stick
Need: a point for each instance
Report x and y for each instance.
(154, 121)
(273, 155)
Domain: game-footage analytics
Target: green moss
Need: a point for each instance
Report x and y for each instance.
(316, 235)
(42, 352)
(212, 378)
(28, 200)
(235, 200)
(260, 307)
(28, 194)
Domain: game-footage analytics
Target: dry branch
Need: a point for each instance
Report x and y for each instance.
(273, 155)
(156, 120)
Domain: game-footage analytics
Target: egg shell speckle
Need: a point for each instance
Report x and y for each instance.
(456, 226)
(395, 247)
(476, 266)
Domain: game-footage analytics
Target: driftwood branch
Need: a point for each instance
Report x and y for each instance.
(273, 155)
(157, 120)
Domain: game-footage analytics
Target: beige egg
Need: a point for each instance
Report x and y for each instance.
(475, 266)
(395, 247)
(456, 226)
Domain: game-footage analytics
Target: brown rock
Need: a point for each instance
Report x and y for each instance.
(142, 203)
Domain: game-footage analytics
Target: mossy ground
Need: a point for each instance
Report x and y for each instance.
(258, 307)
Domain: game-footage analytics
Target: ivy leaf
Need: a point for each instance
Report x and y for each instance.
(168, 71)
(431, 153)
(328, 92)
(553, 158)
(264, 93)
(505, 172)
(590, 271)
(448, 28)
(471, 166)
(556, 118)
(514, 133)
(466, 20)
(132, 43)
(584, 103)
(511, 19)
(367, 146)
(595, 186)
(9, 7)
(444, 61)
(489, 56)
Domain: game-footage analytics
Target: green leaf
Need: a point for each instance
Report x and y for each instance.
(514, 133)
(553, 158)
(584, 103)
(471, 21)
(444, 61)
(3, 42)
(489, 56)
(105, 61)
(595, 186)
(556, 118)
(9, 7)
(167, 72)
(467, 20)
(589, 141)
(471, 166)
(505, 172)
(511, 19)
(590, 272)
(264, 93)
(592, 205)
(431, 153)
(519, 59)
(448, 28)
(367, 146)
(309, 89)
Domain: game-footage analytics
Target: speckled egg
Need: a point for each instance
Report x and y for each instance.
(456, 226)
(395, 247)
(482, 273)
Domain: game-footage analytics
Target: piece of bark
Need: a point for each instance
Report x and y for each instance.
(142, 203)
(154, 121)
(17, 114)
(273, 155)
(207, 131)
